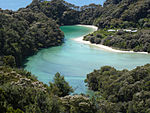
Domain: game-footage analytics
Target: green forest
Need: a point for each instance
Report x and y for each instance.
(26, 31)
(21, 92)
(121, 91)
(120, 15)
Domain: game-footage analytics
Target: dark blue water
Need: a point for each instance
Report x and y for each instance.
(16, 4)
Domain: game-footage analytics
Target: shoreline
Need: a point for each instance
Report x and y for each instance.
(100, 46)
(90, 26)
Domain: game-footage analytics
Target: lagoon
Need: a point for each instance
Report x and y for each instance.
(75, 60)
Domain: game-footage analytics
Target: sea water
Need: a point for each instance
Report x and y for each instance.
(75, 60)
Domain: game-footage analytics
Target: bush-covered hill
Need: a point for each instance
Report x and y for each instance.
(120, 15)
(22, 92)
(24, 32)
(138, 41)
(124, 13)
(62, 12)
(65, 13)
(114, 13)
(121, 91)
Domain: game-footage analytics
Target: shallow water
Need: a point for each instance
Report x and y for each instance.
(74, 60)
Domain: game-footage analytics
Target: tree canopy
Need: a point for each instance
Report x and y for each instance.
(24, 32)
(60, 87)
(121, 91)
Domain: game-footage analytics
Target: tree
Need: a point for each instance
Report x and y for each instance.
(60, 87)
(11, 110)
(9, 60)
(2, 101)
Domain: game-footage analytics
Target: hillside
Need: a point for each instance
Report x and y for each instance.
(123, 24)
(121, 91)
(26, 31)
(69, 13)
(29, 29)
(120, 39)
(21, 92)
(124, 14)
(114, 14)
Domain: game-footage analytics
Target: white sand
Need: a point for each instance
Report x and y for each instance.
(100, 46)
(91, 26)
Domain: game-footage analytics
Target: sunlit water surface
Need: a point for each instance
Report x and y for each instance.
(75, 60)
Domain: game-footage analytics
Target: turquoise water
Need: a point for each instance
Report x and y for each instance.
(74, 60)
(16, 4)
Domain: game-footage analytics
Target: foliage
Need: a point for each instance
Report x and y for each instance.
(120, 39)
(124, 14)
(11, 110)
(89, 13)
(24, 32)
(9, 60)
(68, 15)
(121, 91)
(21, 92)
(78, 104)
(60, 87)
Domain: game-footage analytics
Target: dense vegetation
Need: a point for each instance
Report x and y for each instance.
(138, 42)
(62, 12)
(124, 14)
(24, 32)
(22, 92)
(121, 91)
(69, 13)
(115, 14)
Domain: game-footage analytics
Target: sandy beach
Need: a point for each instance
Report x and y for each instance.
(100, 46)
(91, 26)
